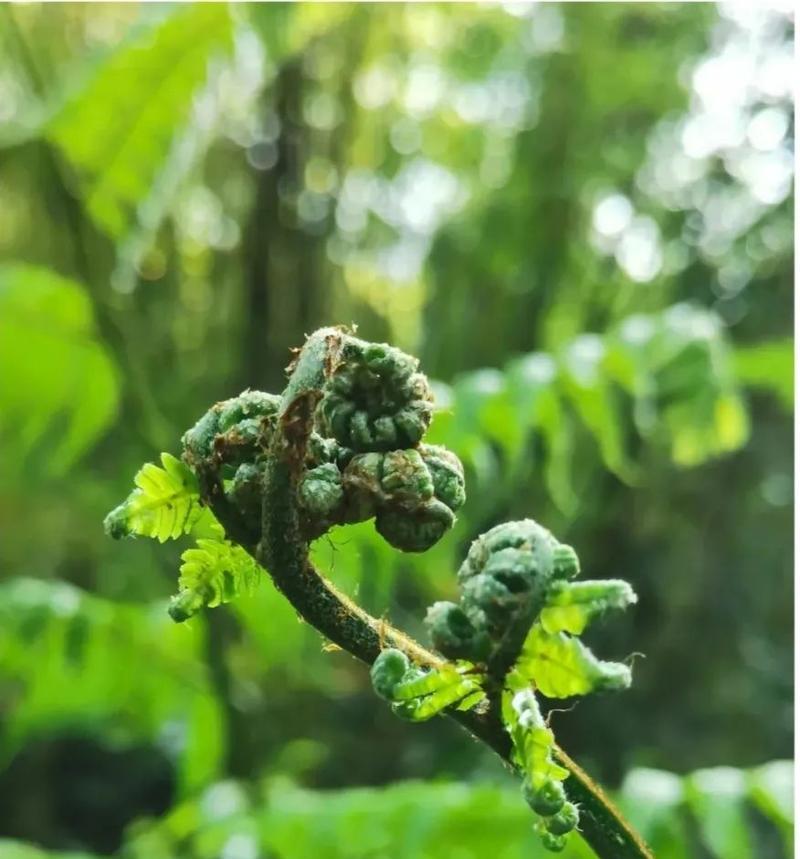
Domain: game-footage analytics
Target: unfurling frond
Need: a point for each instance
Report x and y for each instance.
(419, 695)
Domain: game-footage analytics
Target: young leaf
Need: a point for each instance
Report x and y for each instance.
(571, 605)
(419, 695)
(560, 666)
(164, 505)
(214, 572)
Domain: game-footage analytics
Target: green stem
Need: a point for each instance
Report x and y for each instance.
(283, 551)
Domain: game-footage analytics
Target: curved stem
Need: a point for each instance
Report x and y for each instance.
(284, 553)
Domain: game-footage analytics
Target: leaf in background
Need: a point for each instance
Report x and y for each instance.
(771, 790)
(285, 28)
(558, 429)
(120, 670)
(58, 384)
(18, 850)
(769, 366)
(717, 799)
(586, 384)
(118, 129)
(678, 365)
(652, 800)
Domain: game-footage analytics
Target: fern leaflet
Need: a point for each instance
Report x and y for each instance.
(164, 505)
(215, 571)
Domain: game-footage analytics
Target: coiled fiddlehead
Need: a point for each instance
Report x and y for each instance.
(376, 399)
(505, 580)
(231, 432)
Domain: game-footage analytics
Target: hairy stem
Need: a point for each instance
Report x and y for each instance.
(283, 551)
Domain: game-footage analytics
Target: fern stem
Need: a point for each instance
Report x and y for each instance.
(284, 553)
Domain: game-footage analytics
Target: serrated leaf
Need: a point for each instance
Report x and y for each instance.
(164, 505)
(215, 571)
(560, 666)
(572, 605)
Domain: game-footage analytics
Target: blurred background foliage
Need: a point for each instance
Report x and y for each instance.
(580, 217)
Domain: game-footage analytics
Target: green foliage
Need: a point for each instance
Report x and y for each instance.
(561, 666)
(533, 746)
(59, 389)
(671, 372)
(214, 572)
(418, 694)
(369, 115)
(510, 577)
(409, 820)
(17, 850)
(117, 129)
(719, 812)
(572, 605)
(768, 366)
(376, 400)
(164, 505)
(71, 659)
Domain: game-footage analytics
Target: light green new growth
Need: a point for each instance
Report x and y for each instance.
(214, 572)
(572, 605)
(560, 666)
(534, 746)
(164, 505)
(418, 695)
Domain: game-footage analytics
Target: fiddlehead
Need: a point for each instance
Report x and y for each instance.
(515, 622)
(267, 474)
(375, 399)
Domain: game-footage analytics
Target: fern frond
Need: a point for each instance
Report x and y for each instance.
(164, 505)
(419, 695)
(213, 572)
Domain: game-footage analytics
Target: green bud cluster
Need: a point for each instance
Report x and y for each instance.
(413, 494)
(376, 400)
(363, 458)
(504, 580)
(232, 432)
(516, 624)
(229, 442)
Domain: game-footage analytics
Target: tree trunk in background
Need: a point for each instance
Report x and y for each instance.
(284, 296)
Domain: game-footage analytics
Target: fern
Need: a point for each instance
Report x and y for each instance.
(164, 505)
(213, 572)
(419, 695)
